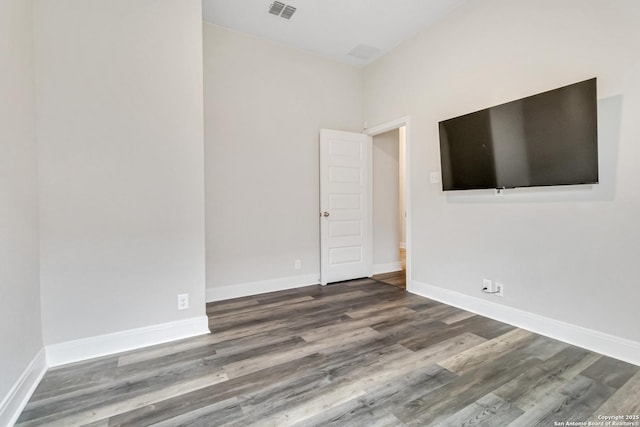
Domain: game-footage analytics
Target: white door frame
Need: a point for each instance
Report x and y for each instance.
(386, 127)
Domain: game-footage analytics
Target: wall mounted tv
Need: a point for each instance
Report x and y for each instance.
(545, 139)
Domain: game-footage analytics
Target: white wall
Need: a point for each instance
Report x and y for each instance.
(386, 200)
(264, 106)
(119, 87)
(402, 207)
(564, 253)
(20, 333)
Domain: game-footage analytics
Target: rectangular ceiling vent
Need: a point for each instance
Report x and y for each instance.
(288, 12)
(276, 8)
(282, 10)
(364, 52)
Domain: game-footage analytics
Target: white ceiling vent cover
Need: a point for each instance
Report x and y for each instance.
(364, 52)
(276, 7)
(288, 12)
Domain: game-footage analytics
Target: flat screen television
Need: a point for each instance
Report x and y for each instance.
(546, 139)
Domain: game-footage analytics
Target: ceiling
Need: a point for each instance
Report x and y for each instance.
(333, 28)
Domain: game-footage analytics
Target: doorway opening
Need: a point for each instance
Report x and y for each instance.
(346, 206)
(390, 190)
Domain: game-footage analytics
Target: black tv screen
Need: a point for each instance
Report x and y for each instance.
(545, 139)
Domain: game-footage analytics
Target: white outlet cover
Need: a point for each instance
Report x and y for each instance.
(183, 301)
(499, 289)
(434, 177)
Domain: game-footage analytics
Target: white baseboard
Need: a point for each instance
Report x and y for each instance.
(17, 398)
(255, 288)
(387, 268)
(600, 342)
(130, 339)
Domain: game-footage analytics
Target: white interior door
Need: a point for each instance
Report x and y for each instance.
(345, 206)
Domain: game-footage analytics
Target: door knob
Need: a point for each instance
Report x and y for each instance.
(325, 214)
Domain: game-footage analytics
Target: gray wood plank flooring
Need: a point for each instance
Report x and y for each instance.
(358, 353)
(395, 278)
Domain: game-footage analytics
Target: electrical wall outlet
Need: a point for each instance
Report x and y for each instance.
(487, 285)
(183, 301)
(297, 264)
(499, 291)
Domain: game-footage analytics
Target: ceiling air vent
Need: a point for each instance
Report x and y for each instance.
(288, 12)
(364, 52)
(276, 7)
(282, 10)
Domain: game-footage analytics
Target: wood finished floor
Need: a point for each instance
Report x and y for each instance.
(359, 353)
(395, 278)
